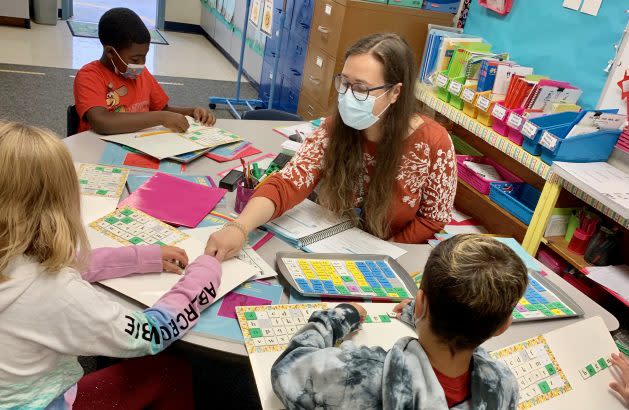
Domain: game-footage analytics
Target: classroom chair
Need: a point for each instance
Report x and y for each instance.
(271, 115)
(72, 121)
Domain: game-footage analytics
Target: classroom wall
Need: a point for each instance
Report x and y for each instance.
(183, 11)
(561, 43)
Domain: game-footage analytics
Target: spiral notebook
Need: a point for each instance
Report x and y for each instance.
(312, 228)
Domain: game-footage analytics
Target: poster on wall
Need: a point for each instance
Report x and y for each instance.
(254, 13)
(267, 18)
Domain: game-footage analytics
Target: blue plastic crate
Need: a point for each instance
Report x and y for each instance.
(517, 198)
(531, 145)
(592, 147)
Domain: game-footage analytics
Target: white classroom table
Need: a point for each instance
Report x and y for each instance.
(87, 147)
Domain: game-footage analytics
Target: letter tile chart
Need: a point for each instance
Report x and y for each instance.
(268, 329)
(346, 276)
(102, 180)
(132, 227)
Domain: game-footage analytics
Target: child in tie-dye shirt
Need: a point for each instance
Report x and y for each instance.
(49, 312)
(469, 289)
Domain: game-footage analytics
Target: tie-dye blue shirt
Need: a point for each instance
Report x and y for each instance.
(312, 373)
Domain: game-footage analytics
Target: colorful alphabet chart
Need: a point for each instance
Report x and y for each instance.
(544, 301)
(347, 276)
(538, 374)
(102, 180)
(132, 227)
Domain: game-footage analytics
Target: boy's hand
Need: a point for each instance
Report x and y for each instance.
(400, 307)
(204, 116)
(621, 362)
(361, 311)
(174, 121)
(174, 259)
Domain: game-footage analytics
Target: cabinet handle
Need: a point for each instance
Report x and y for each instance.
(314, 80)
(323, 30)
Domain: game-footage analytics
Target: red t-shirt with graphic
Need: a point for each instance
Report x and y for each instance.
(97, 86)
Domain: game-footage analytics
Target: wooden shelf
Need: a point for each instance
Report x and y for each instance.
(560, 246)
(535, 164)
(497, 220)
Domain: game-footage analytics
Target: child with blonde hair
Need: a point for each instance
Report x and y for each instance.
(49, 312)
(469, 289)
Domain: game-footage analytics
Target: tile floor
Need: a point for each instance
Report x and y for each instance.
(188, 55)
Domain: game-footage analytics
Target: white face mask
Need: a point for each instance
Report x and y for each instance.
(132, 72)
(359, 114)
(419, 319)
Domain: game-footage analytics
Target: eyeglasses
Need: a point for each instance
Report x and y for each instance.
(360, 91)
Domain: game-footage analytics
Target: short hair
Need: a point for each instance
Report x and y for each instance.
(472, 284)
(120, 27)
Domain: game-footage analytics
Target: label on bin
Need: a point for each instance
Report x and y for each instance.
(483, 103)
(499, 112)
(529, 130)
(442, 80)
(455, 88)
(548, 140)
(514, 121)
(468, 95)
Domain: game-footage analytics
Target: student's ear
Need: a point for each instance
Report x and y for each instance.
(420, 301)
(109, 52)
(394, 93)
(504, 327)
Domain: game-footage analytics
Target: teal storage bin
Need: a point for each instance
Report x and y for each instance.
(416, 4)
(517, 198)
(592, 147)
(546, 123)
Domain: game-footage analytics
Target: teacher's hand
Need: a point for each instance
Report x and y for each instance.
(226, 243)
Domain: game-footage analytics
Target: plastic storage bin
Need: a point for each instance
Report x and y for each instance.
(484, 115)
(514, 122)
(479, 183)
(500, 113)
(592, 147)
(518, 198)
(442, 82)
(469, 98)
(530, 142)
(416, 4)
(455, 99)
(554, 262)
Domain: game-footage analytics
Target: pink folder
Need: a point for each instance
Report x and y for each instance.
(174, 200)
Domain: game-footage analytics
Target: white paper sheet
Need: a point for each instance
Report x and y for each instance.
(572, 4)
(459, 216)
(148, 288)
(615, 278)
(372, 334)
(458, 229)
(292, 146)
(591, 7)
(304, 219)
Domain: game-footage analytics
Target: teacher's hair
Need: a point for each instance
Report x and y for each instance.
(40, 208)
(343, 161)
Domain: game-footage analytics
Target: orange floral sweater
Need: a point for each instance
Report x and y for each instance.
(424, 190)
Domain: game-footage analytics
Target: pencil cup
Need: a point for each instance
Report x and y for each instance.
(579, 241)
(243, 195)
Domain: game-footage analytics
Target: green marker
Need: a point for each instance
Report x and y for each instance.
(256, 171)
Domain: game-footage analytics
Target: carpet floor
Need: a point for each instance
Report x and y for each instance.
(42, 97)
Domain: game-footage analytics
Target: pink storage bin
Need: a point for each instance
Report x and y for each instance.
(500, 126)
(479, 183)
(513, 133)
(552, 261)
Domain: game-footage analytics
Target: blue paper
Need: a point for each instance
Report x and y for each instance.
(564, 44)
(212, 324)
(114, 154)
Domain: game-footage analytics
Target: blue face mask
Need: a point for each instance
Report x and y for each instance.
(359, 114)
(132, 72)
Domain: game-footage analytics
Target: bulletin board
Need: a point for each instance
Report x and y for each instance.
(563, 44)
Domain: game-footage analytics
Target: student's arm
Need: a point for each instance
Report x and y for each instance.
(277, 194)
(312, 372)
(437, 200)
(105, 122)
(87, 322)
(109, 263)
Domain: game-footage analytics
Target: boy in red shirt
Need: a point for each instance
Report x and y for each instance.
(117, 94)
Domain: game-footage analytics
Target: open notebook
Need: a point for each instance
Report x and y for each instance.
(312, 228)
